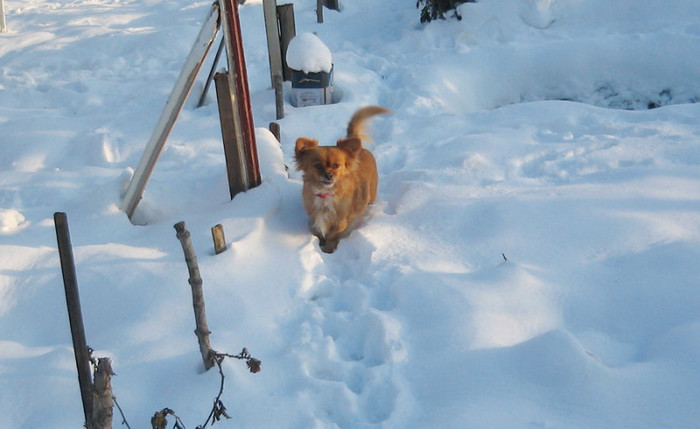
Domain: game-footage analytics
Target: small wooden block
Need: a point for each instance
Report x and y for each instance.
(217, 234)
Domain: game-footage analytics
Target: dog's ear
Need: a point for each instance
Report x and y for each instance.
(350, 144)
(303, 144)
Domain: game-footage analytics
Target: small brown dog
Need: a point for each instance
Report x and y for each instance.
(339, 181)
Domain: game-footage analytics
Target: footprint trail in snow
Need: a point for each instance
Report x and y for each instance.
(350, 342)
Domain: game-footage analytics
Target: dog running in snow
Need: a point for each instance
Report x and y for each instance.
(339, 181)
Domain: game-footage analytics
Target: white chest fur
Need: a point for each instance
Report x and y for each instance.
(324, 214)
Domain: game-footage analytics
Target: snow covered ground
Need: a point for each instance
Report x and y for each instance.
(532, 260)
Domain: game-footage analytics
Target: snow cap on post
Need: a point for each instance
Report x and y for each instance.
(307, 53)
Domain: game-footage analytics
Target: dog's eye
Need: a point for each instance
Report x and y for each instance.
(319, 167)
(335, 166)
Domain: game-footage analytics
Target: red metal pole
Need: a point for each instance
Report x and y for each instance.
(239, 75)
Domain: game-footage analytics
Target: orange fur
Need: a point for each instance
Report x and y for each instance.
(339, 181)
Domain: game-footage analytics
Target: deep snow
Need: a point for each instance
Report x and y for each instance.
(531, 261)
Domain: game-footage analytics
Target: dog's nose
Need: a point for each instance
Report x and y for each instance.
(328, 175)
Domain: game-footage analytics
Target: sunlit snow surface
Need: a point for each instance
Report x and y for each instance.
(531, 260)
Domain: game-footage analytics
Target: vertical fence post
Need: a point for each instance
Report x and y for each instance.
(319, 11)
(238, 81)
(274, 50)
(287, 30)
(234, 152)
(330, 4)
(275, 130)
(3, 23)
(279, 96)
(75, 316)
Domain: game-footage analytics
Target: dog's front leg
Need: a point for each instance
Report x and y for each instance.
(328, 245)
(329, 242)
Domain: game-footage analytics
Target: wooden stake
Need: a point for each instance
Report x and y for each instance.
(200, 314)
(3, 23)
(103, 400)
(275, 130)
(217, 233)
(274, 50)
(287, 31)
(319, 11)
(75, 316)
(279, 96)
(234, 152)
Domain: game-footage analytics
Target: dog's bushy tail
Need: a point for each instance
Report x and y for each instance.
(358, 127)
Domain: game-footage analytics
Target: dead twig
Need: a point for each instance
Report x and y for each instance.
(219, 410)
(124, 422)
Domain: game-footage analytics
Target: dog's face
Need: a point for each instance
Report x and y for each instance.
(324, 166)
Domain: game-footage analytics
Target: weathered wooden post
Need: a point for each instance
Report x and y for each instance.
(274, 52)
(103, 400)
(200, 314)
(319, 11)
(279, 96)
(75, 316)
(275, 130)
(274, 49)
(330, 4)
(3, 23)
(234, 151)
(287, 31)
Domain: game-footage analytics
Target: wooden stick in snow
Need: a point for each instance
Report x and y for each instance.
(279, 95)
(275, 130)
(287, 30)
(234, 151)
(103, 400)
(274, 48)
(3, 23)
(195, 280)
(319, 11)
(75, 315)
